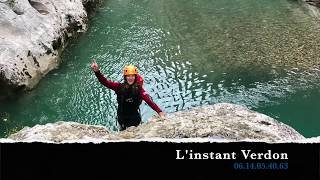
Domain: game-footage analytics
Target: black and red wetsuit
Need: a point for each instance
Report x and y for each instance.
(129, 98)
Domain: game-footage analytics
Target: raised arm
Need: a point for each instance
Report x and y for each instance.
(145, 96)
(109, 84)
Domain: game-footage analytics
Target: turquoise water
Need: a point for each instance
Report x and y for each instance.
(263, 54)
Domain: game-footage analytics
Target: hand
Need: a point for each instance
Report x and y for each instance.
(162, 114)
(94, 66)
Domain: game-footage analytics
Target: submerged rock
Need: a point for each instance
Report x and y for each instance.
(32, 35)
(219, 122)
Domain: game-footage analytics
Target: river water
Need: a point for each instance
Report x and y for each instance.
(263, 54)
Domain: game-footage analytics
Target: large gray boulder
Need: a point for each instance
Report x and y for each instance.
(219, 122)
(32, 35)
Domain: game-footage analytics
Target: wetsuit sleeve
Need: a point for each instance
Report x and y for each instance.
(145, 96)
(109, 84)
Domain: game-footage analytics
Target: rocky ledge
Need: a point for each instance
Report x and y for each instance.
(32, 35)
(219, 122)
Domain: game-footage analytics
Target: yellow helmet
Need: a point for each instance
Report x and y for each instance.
(130, 70)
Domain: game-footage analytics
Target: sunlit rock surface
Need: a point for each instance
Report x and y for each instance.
(219, 122)
(32, 35)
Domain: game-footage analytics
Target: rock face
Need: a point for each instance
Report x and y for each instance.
(312, 6)
(32, 35)
(215, 122)
(313, 2)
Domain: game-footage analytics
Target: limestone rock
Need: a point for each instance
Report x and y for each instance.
(32, 35)
(227, 122)
(312, 6)
(313, 2)
(63, 131)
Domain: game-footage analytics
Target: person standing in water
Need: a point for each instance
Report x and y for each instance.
(130, 94)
